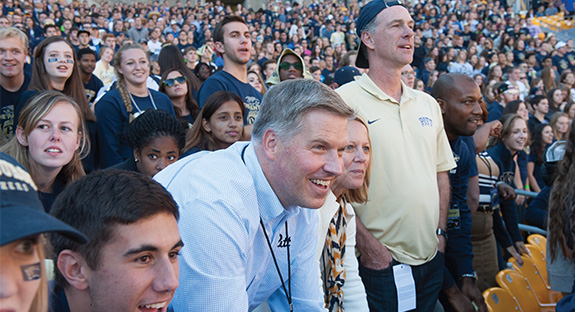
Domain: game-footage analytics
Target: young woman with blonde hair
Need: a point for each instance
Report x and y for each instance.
(117, 108)
(50, 142)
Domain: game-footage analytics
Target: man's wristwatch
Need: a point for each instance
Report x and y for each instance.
(441, 232)
(472, 275)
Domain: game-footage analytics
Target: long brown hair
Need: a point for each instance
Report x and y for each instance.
(548, 81)
(36, 109)
(562, 200)
(73, 86)
(198, 136)
(191, 104)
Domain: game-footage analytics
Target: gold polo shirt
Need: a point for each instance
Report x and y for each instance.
(409, 147)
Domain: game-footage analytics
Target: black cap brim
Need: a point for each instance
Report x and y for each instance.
(21, 222)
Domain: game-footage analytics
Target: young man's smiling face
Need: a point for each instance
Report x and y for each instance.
(138, 268)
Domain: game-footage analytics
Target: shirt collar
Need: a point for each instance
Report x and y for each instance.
(268, 202)
(370, 87)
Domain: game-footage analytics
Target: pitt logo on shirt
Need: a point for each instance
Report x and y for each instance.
(426, 121)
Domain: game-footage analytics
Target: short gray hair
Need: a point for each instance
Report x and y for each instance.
(285, 104)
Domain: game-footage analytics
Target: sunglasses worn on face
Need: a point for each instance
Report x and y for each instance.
(172, 81)
(287, 65)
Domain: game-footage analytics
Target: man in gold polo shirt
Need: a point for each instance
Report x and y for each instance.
(402, 227)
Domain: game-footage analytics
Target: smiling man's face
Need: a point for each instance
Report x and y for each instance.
(138, 269)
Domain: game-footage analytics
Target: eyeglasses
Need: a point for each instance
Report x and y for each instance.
(287, 65)
(408, 73)
(172, 81)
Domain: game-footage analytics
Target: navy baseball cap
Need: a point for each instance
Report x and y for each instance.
(345, 74)
(366, 15)
(21, 212)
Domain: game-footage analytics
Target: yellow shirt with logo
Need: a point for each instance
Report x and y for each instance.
(409, 147)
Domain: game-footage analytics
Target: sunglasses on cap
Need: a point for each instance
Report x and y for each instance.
(172, 81)
(392, 3)
(287, 65)
(511, 91)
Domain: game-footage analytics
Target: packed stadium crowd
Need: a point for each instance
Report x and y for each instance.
(411, 125)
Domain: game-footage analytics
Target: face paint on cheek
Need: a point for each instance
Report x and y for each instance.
(31, 272)
(53, 60)
(70, 61)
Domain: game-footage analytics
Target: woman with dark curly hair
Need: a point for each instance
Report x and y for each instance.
(157, 139)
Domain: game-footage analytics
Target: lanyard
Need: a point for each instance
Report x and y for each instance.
(138, 108)
(288, 294)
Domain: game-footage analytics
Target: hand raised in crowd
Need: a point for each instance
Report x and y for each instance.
(471, 291)
(495, 128)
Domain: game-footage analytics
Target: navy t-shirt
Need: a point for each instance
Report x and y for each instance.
(92, 88)
(459, 176)
(8, 101)
(561, 62)
(113, 119)
(223, 80)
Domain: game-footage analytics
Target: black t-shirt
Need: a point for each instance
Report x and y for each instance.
(92, 88)
(8, 101)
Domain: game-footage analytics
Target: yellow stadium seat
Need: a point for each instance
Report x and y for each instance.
(520, 289)
(532, 273)
(500, 300)
(539, 241)
(539, 258)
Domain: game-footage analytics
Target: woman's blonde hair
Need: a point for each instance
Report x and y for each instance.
(122, 88)
(36, 109)
(360, 195)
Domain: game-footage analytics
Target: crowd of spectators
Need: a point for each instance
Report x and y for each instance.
(469, 37)
(134, 58)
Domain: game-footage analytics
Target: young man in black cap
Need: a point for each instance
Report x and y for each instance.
(403, 240)
(85, 40)
(23, 285)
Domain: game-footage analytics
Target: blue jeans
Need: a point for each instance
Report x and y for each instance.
(381, 291)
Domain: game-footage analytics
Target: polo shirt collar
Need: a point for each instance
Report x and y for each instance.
(370, 87)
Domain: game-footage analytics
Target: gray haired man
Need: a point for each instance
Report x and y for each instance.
(243, 209)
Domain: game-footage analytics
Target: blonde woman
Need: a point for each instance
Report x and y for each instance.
(103, 69)
(337, 225)
(50, 142)
(117, 108)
